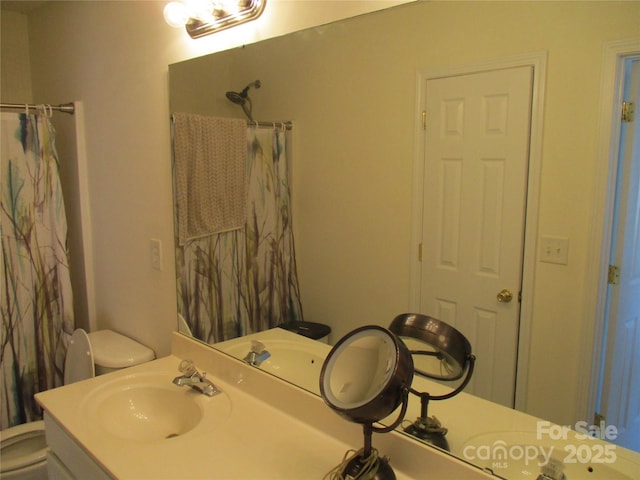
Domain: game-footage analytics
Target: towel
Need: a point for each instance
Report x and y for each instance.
(211, 181)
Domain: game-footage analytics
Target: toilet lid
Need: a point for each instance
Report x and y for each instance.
(78, 364)
(112, 350)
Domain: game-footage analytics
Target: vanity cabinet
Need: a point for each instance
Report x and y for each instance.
(66, 459)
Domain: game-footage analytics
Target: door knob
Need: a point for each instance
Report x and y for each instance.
(505, 296)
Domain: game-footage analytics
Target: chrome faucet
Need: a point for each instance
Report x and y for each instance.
(257, 355)
(553, 469)
(195, 380)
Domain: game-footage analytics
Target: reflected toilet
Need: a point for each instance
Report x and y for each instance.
(23, 447)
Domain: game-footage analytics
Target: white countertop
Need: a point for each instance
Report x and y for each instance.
(274, 431)
(254, 428)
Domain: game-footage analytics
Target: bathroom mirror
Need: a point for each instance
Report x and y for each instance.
(350, 90)
(340, 222)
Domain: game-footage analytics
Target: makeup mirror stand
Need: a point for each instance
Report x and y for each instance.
(362, 460)
(429, 429)
(366, 376)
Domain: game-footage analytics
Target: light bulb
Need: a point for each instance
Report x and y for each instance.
(230, 6)
(175, 14)
(199, 8)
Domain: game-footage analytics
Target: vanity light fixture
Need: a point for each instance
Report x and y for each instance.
(439, 352)
(204, 17)
(364, 379)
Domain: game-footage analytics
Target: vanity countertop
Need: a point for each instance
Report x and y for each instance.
(273, 431)
(256, 430)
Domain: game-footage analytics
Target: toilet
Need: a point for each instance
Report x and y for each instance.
(23, 447)
(24, 451)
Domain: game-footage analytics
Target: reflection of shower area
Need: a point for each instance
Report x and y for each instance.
(235, 261)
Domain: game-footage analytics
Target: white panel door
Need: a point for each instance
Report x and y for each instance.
(621, 378)
(475, 181)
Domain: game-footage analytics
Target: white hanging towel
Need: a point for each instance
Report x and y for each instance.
(210, 156)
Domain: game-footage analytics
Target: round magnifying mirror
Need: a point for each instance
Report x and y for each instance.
(366, 374)
(439, 351)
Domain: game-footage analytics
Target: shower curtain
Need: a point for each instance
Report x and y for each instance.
(36, 299)
(244, 281)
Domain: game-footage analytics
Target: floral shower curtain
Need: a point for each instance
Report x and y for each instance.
(36, 299)
(244, 281)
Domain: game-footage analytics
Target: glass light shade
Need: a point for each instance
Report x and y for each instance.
(223, 15)
(175, 14)
(204, 17)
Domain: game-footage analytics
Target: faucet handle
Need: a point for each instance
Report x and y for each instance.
(257, 347)
(187, 368)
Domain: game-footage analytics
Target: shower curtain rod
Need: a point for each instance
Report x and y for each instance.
(285, 125)
(65, 107)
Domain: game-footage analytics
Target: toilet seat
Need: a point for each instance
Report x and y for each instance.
(22, 446)
(78, 364)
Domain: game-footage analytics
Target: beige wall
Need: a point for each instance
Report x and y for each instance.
(352, 201)
(15, 69)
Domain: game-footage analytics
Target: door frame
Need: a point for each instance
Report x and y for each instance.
(537, 60)
(600, 239)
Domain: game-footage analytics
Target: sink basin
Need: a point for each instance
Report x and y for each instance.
(524, 454)
(293, 358)
(148, 413)
(149, 408)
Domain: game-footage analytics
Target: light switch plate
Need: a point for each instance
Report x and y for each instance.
(554, 249)
(156, 253)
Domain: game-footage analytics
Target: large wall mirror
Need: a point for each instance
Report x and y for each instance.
(349, 88)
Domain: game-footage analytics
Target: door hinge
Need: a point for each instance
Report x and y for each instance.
(420, 252)
(627, 112)
(424, 119)
(613, 276)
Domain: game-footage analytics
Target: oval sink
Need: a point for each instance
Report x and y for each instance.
(148, 413)
(289, 361)
(149, 407)
(293, 358)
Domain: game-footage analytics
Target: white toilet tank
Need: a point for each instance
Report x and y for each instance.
(112, 351)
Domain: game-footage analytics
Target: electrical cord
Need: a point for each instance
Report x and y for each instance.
(368, 471)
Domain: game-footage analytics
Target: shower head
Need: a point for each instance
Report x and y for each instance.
(236, 97)
(242, 98)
